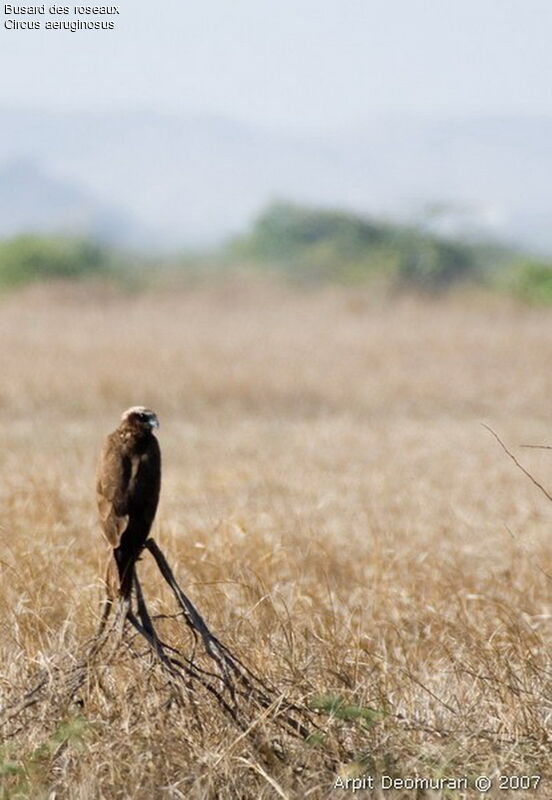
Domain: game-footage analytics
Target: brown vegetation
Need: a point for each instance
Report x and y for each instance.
(331, 504)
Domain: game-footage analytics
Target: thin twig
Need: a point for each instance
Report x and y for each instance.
(526, 472)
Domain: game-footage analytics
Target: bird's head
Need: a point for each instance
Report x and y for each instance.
(140, 417)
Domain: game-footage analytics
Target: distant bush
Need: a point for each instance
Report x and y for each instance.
(284, 230)
(29, 258)
(530, 280)
(315, 244)
(432, 263)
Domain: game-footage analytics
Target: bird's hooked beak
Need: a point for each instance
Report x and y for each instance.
(153, 422)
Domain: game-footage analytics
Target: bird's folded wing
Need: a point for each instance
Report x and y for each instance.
(112, 491)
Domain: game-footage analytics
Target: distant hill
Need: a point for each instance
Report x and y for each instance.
(33, 200)
(175, 181)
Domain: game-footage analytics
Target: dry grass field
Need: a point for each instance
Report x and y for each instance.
(330, 503)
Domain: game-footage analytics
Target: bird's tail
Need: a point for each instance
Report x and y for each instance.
(112, 581)
(120, 574)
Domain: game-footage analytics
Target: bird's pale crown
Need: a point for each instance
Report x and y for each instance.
(143, 413)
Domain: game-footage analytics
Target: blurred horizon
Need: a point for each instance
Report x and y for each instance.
(178, 127)
(167, 182)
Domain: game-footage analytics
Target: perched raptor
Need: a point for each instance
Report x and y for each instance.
(128, 484)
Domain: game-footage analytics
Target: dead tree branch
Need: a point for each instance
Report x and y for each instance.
(246, 699)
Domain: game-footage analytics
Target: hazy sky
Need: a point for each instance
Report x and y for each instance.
(295, 63)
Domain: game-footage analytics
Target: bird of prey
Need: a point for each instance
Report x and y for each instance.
(128, 485)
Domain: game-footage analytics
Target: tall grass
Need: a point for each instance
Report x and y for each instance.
(331, 504)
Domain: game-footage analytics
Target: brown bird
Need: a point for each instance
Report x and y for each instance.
(128, 485)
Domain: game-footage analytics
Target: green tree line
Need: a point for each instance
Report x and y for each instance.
(307, 245)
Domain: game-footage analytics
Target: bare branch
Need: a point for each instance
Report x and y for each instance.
(526, 472)
(241, 695)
